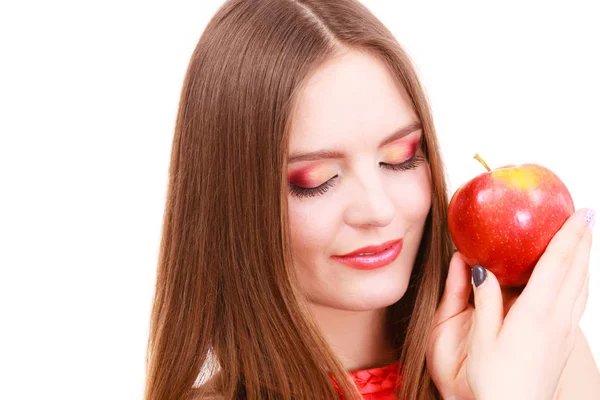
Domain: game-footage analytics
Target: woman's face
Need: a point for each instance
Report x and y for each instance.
(357, 178)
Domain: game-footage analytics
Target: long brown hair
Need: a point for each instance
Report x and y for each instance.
(228, 316)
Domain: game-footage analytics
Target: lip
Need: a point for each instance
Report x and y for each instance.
(383, 255)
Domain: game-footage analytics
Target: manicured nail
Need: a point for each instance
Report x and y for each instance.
(478, 275)
(590, 218)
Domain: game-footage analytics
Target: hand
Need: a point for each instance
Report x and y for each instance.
(496, 357)
(450, 339)
(523, 355)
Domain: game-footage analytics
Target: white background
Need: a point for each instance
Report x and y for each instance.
(88, 96)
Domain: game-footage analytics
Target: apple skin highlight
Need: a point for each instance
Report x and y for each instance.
(504, 219)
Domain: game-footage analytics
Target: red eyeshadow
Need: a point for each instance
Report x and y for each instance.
(301, 177)
(413, 147)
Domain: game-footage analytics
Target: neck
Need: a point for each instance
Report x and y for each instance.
(358, 338)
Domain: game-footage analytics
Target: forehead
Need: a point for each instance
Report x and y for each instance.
(350, 100)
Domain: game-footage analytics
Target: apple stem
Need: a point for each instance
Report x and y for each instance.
(478, 158)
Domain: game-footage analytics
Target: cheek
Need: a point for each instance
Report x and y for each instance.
(312, 227)
(415, 206)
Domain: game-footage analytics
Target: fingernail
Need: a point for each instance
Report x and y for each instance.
(590, 218)
(478, 275)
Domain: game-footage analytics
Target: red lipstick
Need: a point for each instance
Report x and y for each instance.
(372, 257)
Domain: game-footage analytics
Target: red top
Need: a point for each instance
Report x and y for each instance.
(378, 383)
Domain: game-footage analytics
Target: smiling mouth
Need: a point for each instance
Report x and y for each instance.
(372, 257)
(370, 254)
(371, 250)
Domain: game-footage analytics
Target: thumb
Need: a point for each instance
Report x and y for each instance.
(455, 298)
(489, 309)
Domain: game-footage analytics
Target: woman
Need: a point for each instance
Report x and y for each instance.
(305, 232)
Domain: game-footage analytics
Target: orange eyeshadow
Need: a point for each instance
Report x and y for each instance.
(399, 151)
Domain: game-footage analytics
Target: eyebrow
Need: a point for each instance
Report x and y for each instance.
(334, 154)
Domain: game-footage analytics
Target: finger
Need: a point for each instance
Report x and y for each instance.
(457, 289)
(510, 296)
(573, 282)
(551, 269)
(581, 301)
(489, 310)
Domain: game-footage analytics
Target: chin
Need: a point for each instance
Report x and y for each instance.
(372, 294)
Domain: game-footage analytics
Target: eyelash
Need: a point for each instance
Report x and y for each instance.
(411, 163)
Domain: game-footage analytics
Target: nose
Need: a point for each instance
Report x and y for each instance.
(370, 205)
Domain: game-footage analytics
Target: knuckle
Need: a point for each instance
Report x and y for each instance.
(581, 304)
(563, 257)
(540, 312)
(552, 320)
(565, 329)
(570, 338)
(586, 290)
(562, 324)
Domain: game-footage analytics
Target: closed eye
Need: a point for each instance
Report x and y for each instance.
(409, 164)
(300, 192)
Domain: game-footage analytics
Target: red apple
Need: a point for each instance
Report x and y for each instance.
(504, 219)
